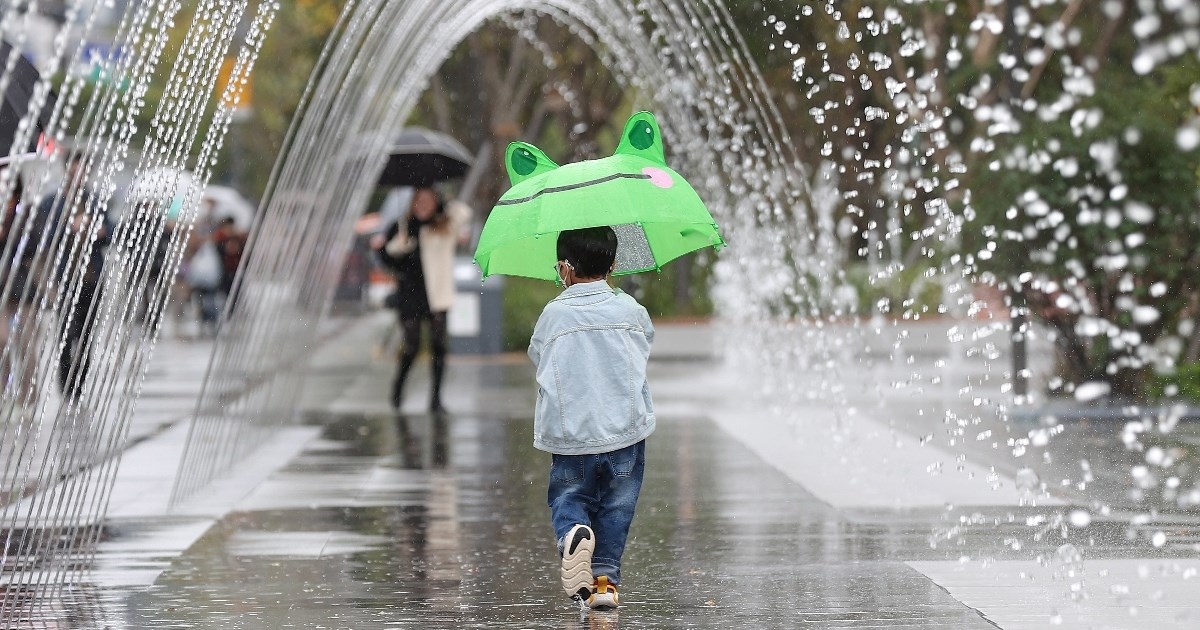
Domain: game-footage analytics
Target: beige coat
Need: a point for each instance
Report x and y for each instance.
(437, 254)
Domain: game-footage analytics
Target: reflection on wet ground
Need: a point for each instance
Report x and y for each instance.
(441, 522)
(419, 521)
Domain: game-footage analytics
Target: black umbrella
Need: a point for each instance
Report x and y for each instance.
(15, 104)
(420, 157)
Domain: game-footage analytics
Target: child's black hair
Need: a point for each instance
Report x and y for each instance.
(591, 251)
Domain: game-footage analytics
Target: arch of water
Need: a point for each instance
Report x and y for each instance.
(683, 59)
(59, 457)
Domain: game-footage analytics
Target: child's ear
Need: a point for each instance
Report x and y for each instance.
(643, 138)
(523, 160)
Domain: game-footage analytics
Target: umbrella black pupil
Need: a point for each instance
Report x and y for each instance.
(642, 135)
(523, 162)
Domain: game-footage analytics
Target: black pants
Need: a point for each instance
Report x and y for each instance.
(77, 333)
(437, 348)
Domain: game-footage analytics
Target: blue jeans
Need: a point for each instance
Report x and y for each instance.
(599, 491)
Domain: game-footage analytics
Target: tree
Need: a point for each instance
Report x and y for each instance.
(294, 45)
(524, 77)
(948, 122)
(1093, 219)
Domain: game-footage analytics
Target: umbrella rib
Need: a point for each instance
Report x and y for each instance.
(511, 202)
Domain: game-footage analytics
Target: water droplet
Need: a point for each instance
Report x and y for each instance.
(1143, 63)
(1068, 567)
(1188, 138)
(1092, 390)
(1028, 485)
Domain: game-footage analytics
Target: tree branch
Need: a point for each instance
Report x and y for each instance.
(1035, 75)
(1100, 52)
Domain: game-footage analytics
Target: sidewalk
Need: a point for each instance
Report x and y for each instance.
(172, 383)
(361, 518)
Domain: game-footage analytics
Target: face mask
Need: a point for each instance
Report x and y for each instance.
(559, 271)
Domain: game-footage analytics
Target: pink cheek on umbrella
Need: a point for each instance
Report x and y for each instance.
(658, 177)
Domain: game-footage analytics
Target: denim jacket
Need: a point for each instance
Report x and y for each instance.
(590, 348)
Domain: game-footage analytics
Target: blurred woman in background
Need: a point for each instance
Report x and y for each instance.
(419, 250)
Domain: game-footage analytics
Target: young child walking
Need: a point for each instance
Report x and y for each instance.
(590, 347)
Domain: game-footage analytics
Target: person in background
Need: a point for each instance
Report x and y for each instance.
(181, 300)
(88, 231)
(419, 250)
(16, 327)
(231, 244)
(204, 275)
(164, 229)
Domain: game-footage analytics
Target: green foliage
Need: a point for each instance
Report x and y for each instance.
(1183, 384)
(1101, 214)
(679, 290)
(288, 57)
(523, 302)
(1139, 120)
(909, 293)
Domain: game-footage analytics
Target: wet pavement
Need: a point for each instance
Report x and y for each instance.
(364, 518)
(419, 521)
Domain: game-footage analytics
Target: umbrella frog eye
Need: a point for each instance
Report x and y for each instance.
(523, 162)
(641, 136)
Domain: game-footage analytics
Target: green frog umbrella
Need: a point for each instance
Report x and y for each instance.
(655, 213)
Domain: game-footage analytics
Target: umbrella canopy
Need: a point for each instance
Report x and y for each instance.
(655, 213)
(421, 157)
(158, 184)
(14, 105)
(228, 203)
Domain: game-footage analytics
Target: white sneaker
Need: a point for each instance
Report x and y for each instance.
(604, 594)
(578, 545)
